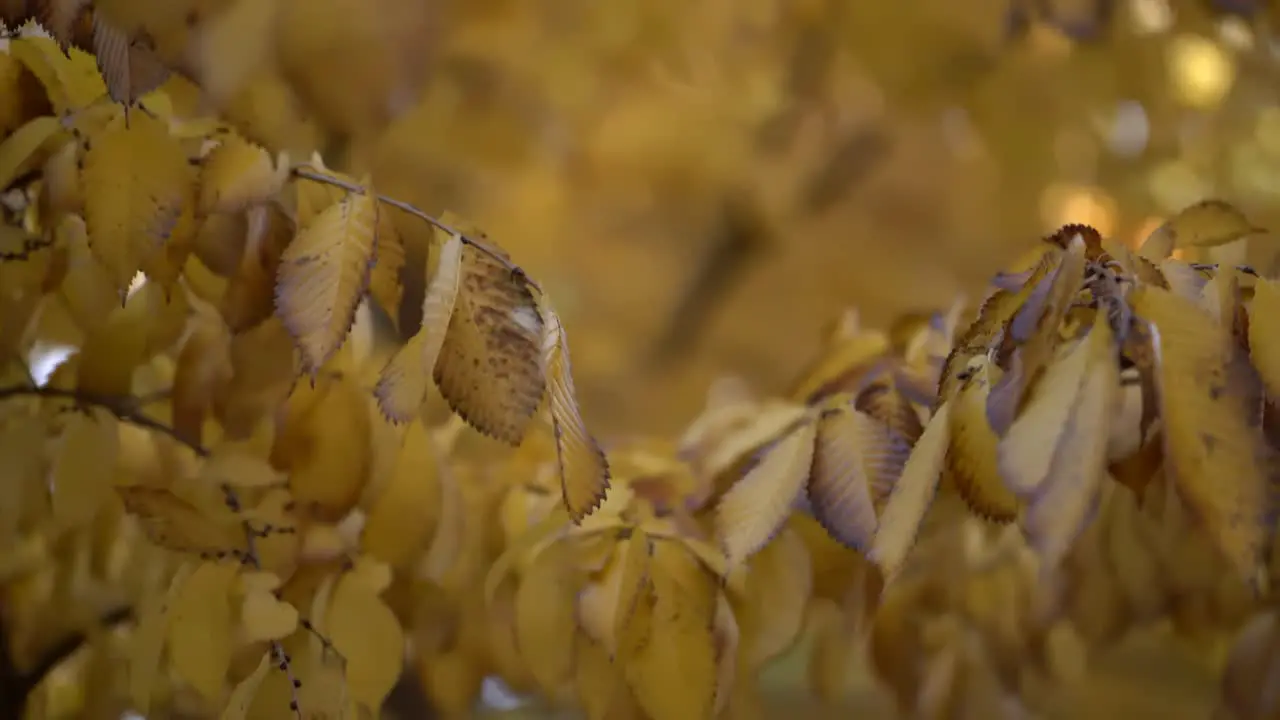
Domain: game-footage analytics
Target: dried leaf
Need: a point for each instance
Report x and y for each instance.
(323, 275)
(855, 464)
(749, 514)
(584, 470)
(1026, 450)
(912, 495)
(1061, 507)
(130, 67)
(490, 368)
(402, 387)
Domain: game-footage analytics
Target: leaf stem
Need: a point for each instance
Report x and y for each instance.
(308, 172)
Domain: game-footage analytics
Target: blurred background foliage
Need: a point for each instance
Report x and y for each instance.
(704, 184)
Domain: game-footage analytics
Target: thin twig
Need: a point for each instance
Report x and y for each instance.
(308, 172)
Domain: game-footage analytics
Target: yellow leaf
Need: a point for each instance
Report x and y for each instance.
(545, 617)
(1206, 224)
(237, 174)
(236, 464)
(172, 522)
(1264, 340)
(324, 445)
(912, 495)
(88, 288)
(584, 470)
(148, 639)
(201, 630)
(717, 441)
(237, 707)
(972, 460)
(20, 150)
(85, 470)
(265, 617)
(71, 80)
(1215, 454)
(137, 184)
(402, 388)
(759, 503)
(324, 273)
(1060, 508)
(130, 67)
(669, 657)
(776, 598)
(855, 463)
(401, 520)
(1027, 449)
(490, 370)
(605, 606)
(601, 690)
(365, 631)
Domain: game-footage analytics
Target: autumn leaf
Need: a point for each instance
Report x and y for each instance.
(172, 522)
(200, 628)
(972, 462)
(365, 631)
(85, 469)
(1206, 224)
(775, 598)
(1215, 456)
(241, 698)
(856, 462)
(1063, 500)
(1264, 340)
(72, 79)
(324, 273)
(20, 149)
(149, 638)
(546, 618)
(129, 66)
(912, 495)
(402, 387)
(605, 606)
(237, 174)
(1026, 451)
(137, 183)
(584, 471)
(749, 514)
(668, 655)
(490, 368)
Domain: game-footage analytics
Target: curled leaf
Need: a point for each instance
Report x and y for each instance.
(584, 470)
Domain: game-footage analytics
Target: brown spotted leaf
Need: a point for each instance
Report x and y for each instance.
(490, 366)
